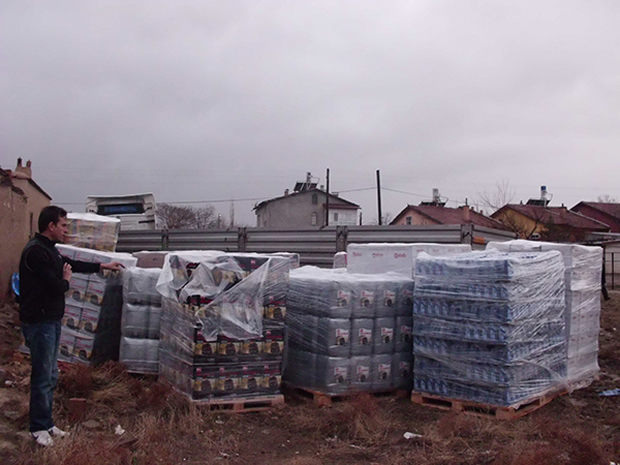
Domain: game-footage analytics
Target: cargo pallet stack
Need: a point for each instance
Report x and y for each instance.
(583, 268)
(348, 332)
(140, 324)
(93, 306)
(222, 326)
(489, 327)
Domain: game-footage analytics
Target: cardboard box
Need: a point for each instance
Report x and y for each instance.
(148, 259)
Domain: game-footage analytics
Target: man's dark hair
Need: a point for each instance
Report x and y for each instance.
(50, 214)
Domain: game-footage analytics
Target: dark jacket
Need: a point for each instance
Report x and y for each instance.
(41, 285)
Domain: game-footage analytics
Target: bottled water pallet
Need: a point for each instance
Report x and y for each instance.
(242, 404)
(323, 399)
(484, 410)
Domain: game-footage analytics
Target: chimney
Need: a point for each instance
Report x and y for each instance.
(285, 191)
(308, 177)
(26, 170)
(466, 217)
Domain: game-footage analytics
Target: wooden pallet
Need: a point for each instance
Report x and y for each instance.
(242, 404)
(485, 410)
(322, 399)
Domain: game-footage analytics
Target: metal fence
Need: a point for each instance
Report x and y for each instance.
(315, 246)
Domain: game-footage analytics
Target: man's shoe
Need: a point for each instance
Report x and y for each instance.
(57, 432)
(43, 438)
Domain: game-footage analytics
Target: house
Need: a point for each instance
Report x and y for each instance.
(555, 224)
(608, 213)
(429, 214)
(21, 201)
(306, 206)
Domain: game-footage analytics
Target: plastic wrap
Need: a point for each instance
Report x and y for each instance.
(489, 326)
(398, 258)
(222, 329)
(582, 272)
(140, 355)
(93, 308)
(93, 231)
(340, 260)
(349, 332)
(140, 285)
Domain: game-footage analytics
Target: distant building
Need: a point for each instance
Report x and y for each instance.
(21, 201)
(428, 214)
(306, 206)
(556, 224)
(608, 213)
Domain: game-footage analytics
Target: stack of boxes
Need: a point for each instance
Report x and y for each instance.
(489, 327)
(140, 324)
(348, 332)
(93, 305)
(583, 268)
(93, 231)
(396, 258)
(222, 326)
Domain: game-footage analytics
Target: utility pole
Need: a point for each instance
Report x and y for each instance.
(327, 199)
(379, 197)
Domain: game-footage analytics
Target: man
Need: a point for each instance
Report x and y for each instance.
(44, 279)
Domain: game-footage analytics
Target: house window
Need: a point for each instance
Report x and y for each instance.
(315, 218)
(315, 199)
(335, 216)
(408, 220)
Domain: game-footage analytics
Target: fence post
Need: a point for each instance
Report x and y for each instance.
(242, 239)
(467, 233)
(164, 239)
(342, 233)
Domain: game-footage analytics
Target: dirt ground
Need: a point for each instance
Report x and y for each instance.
(161, 426)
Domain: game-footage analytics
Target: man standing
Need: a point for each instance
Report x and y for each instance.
(44, 279)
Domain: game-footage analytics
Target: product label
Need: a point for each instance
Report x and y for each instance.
(384, 371)
(365, 336)
(389, 298)
(342, 336)
(362, 373)
(344, 297)
(340, 374)
(367, 298)
(387, 335)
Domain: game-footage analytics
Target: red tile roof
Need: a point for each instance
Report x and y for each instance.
(555, 215)
(447, 215)
(611, 209)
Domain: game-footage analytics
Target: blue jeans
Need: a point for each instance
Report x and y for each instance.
(43, 340)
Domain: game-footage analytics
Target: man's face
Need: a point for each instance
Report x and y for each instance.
(59, 230)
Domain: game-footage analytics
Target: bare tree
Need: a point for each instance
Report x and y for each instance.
(606, 198)
(183, 217)
(386, 218)
(493, 201)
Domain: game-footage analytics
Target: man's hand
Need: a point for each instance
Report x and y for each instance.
(113, 266)
(66, 272)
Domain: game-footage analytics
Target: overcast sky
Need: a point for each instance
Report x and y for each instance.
(219, 100)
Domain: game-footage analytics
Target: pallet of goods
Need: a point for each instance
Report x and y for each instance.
(489, 330)
(348, 333)
(222, 326)
(141, 320)
(582, 274)
(93, 308)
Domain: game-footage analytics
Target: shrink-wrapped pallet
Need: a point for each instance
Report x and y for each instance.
(582, 272)
(489, 326)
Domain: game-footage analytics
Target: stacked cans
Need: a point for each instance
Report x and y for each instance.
(93, 306)
(582, 271)
(489, 326)
(349, 331)
(222, 332)
(140, 324)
